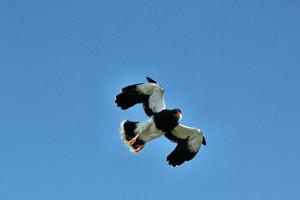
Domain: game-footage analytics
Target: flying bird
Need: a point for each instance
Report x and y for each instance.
(161, 121)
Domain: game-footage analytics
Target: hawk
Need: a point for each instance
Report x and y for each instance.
(161, 121)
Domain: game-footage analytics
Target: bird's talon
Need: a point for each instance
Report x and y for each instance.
(132, 141)
(139, 148)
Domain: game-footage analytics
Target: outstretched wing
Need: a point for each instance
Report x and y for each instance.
(189, 141)
(149, 94)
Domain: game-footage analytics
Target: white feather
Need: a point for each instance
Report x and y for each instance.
(147, 130)
(123, 137)
(195, 136)
(156, 99)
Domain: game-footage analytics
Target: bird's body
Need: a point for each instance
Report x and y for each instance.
(156, 125)
(161, 121)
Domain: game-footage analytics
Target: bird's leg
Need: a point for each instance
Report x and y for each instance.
(136, 147)
(132, 141)
(139, 148)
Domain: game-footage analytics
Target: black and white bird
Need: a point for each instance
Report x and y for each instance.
(161, 121)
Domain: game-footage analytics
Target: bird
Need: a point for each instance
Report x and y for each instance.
(161, 121)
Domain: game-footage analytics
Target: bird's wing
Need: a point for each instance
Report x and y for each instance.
(149, 94)
(189, 141)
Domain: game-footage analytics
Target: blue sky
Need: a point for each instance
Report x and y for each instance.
(231, 67)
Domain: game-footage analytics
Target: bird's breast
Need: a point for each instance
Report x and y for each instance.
(165, 122)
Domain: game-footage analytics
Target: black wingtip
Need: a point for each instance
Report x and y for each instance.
(150, 80)
(204, 141)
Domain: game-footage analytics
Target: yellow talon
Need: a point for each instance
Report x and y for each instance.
(132, 141)
(139, 148)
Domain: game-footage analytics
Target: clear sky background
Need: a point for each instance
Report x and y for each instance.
(232, 67)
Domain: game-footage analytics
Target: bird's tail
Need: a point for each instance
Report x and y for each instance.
(130, 137)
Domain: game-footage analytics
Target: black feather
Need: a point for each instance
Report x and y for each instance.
(131, 87)
(131, 95)
(150, 80)
(147, 109)
(165, 120)
(171, 137)
(129, 98)
(204, 141)
(129, 128)
(181, 153)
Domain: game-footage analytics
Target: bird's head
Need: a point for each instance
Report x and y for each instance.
(177, 113)
(166, 120)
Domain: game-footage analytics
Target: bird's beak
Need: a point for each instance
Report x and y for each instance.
(178, 115)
